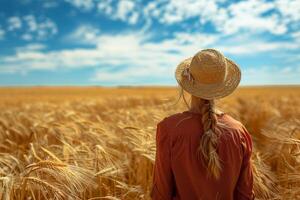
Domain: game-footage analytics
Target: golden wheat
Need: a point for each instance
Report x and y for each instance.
(99, 143)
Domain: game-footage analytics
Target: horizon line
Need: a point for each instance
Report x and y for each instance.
(131, 86)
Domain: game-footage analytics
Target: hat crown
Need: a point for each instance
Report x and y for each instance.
(209, 67)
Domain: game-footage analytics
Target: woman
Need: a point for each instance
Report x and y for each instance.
(202, 153)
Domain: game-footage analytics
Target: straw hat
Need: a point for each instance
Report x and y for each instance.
(208, 75)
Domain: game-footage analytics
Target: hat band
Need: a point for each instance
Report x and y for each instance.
(187, 74)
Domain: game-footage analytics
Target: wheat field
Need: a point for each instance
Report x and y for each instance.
(99, 143)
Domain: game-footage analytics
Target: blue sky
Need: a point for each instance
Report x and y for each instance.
(140, 42)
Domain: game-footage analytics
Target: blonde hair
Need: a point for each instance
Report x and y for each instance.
(211, 127)
(209, 141)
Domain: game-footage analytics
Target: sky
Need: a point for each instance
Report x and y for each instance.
(140, 42)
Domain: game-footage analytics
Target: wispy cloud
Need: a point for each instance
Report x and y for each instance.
(267, 74)
(2, 33)
(31, 47)
(50, 4)
(14, 23)
(28, 27)
(130, 57)
(86, 5)
(126, 10)
(85, 33)
(165, 32)
(290, 10)
(227, 17)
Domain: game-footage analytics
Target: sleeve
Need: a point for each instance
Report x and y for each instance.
(163, 179)
(244, 186)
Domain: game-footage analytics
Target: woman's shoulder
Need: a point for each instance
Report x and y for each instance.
(174, 118)
(231, 120)
(237, 128)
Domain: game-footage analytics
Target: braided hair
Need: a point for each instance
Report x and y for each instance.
(210, 137)
(209, 140)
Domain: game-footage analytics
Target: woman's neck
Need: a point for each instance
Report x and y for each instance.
(196, 104)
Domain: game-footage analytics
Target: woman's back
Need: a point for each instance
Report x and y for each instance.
(203, 154)
(180, 173)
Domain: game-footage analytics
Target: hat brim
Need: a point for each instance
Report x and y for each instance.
(209, 91)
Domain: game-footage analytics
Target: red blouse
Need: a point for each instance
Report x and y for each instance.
(179, 175)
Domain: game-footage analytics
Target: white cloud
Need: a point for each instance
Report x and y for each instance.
(82, 4)
(31, 47)
(271, 75)
(256, 47)
(14, 23)
(275, 17)
(31, 23)
(243, 15)
(112, 50)
(175, 11)
(2, 33)
(84, 34)
(133, 18)
(290, 10)
(133, 56)
(125, 10)
(50, 4)
(38, 29)
(29, 28)
(46, 28)
(26, 37)
(296, 34)
(248, 15)
(131, 75)
(296, 37)
(105, 7)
